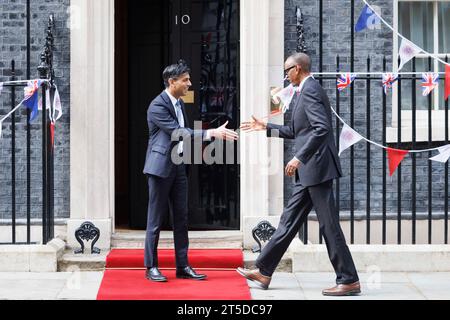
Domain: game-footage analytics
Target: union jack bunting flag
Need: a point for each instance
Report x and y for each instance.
(31, 99)
(430, 81)
(345, 80)
(388, 81)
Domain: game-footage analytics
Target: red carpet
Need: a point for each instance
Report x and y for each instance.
(122, 281)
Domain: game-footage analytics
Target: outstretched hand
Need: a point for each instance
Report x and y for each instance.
(223, 133)
(254, 125)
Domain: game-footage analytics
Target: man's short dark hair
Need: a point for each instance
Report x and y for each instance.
(174, 71)
(302, 60)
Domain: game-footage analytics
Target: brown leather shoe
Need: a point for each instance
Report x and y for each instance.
(343, 290)
(255, 276)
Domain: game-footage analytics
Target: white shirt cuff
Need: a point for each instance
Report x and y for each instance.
(208, 135)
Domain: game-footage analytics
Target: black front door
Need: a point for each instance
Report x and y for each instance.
(204, 33)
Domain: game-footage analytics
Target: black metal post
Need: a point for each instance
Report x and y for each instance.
(446, 172)
(413, 155)
(13, 153)
(384, 160)
(399, 169)
(320, 67)
(28, 127)
(352, 124)
(338, 123)
(430, 168)
(368, 119)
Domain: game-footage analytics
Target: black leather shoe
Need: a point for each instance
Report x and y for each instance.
(155, 275)
(189, 273)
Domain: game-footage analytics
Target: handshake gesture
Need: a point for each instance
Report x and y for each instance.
(261, 125)
(223, 133)
(254, 125)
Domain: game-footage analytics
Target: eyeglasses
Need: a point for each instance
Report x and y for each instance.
(286, 71)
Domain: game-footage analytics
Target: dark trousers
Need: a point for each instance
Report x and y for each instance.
(295, 214)
(163, 191)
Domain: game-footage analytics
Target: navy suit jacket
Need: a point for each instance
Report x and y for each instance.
(162, 124)
(313, 133)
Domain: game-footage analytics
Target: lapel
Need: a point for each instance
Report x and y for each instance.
(184, 114)
(297, 102)
(169, 105)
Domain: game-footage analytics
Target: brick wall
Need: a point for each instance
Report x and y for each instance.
(13, 46)
(374, 44)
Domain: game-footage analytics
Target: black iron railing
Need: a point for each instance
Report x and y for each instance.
(46, 72)
(390, 205)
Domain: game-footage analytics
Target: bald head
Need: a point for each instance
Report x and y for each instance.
(301, 59)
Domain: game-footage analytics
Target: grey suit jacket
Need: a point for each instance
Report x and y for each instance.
(313, 133)
(162, 125)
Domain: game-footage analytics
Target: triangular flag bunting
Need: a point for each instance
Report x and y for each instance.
(57, 105)
(31, 100)
(430, 81)
(47, 100)
(52, 134)
(447, 82)
(395, 157)
(407, 51)
(345, 80)
(367, 19)
(348, 138)
(444, 154)
(285, 96)
(388, 80)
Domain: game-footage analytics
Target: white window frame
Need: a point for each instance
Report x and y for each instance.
(438, 116)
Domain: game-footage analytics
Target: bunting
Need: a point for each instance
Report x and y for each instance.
(430, 81)
(447, 82)
(285, 96)
(395, 157)
(367, 19)
(388, 81)
(348, 138)
(345, 80)
(52, 134)
(407, 51)
(444, 154)
(31, 100)
(57, 106)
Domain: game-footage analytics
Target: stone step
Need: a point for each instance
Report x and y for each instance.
(374, 258)
(71, 262)
(197, 239)
(285, 264)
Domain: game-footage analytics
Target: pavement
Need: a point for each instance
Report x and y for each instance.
(285, 286)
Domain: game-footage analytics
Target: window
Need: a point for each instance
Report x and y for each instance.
(427, 24)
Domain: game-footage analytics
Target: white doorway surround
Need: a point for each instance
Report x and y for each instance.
(92, 116)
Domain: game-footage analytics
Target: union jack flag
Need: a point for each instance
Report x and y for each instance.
(388, 81)
(430, 81)
(31, 93)
(345, 80)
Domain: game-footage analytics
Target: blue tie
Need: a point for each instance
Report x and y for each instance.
(180, 118)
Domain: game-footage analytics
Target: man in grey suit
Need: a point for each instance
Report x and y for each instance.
(167, 180)
(315, 165)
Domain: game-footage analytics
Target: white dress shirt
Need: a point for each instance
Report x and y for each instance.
(174, 102)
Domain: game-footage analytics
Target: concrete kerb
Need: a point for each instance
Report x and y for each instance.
(371, 258)
(32, 258)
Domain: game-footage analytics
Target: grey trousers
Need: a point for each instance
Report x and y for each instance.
(295, 214)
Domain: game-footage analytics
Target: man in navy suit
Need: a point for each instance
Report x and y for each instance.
(315, 165)
(167, 180)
